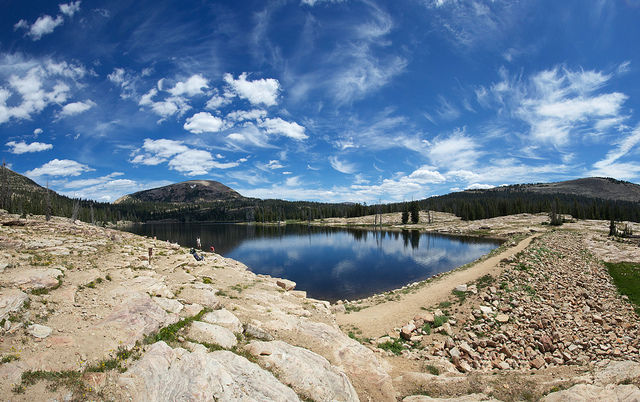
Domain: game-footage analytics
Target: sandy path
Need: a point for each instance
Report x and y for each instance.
(378, 320)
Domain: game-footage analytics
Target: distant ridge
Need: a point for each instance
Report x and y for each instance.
(192, 191)
(593, 187)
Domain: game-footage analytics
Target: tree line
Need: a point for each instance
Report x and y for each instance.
(20, 195)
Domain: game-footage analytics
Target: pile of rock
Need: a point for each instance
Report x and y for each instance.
(555, 305)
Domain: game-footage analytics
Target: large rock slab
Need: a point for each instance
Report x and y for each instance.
(310, 374)
(212, 333)
(224, 318)
(166, 374)
(617, 372)
(361, 365)
(11, 300)
(29, 279)
(137, 317)
(584, 392)
(149, 284)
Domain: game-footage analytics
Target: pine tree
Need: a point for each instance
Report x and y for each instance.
(415, 212)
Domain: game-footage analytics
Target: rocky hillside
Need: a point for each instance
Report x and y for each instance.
(192, 191)
(88, 313)
(592, 187)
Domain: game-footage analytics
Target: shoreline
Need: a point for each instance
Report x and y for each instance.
(380, 319)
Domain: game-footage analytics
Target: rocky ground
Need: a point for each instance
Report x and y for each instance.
(85, 314)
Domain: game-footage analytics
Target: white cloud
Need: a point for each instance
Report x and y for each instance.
(34, 85)
(71, 109)
(22, 147)
(196, 162)
(479, 186)
(415, 183)
(279, 126)
(117, 76)
(217, 101)
(241, 115)
(190, 162)
(91, 182)
(47, 24)
(166, 108)
(164, 148)
(204, 122)
(44, 26)
(341, 166)
(64, 167)
(193, 86)
(70, 9)
(272, 165)
(262, 91)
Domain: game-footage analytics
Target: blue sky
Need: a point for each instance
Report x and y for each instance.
(323, 100)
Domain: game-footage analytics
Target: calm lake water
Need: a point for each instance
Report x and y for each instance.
(329, 263)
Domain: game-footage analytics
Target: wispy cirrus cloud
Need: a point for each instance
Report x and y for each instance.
(557, 105)
(612, 166)
(342, 166)
(474, 24)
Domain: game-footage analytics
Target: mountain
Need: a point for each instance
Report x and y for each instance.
(17, 182)
(192, 191)
(592, 187)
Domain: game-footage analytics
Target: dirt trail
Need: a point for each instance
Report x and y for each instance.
(380, 319)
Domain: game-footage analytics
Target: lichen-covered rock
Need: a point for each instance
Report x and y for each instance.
(308, 373)
(166, 374)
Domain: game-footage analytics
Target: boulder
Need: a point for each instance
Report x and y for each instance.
(461, 288)
(171, 305)
(286, 284)
(225, 319)
(256, 332)
(212, 333)
(166, 374)
(200, 293)
(363, 367)
(39, 331)
(308, 373)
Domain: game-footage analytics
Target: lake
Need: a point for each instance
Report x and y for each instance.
(330, 263)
